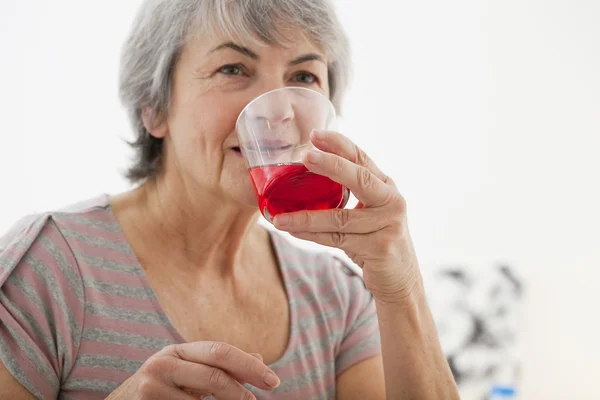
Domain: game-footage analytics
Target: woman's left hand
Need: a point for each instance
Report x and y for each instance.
(375, 233)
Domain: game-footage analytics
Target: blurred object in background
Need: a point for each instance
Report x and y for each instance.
(477, 315)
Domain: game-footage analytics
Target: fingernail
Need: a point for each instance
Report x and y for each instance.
(256, 355)
(314, 157)
(282, 220)
(271, 380)
(320, 134)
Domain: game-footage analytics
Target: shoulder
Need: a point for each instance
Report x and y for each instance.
(43, 238)
(42, 298)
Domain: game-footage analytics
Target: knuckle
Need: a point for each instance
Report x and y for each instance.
(400, 204)
(146, 386)
(383, 247)
(179, 351)
(338, 239)
(391, 241)
(171, 349)
(387, 245)
(248, 396)
(219, 351)
(341, 219)
(365, 178)
(396, 222)
(338, 165)
(156, 366)
(255, 366)
(360, 157)
(306, 218)
(218, 379)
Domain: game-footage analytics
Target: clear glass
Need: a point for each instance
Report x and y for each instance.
(274, 133)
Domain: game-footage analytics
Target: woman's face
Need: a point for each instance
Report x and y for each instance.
(213, 80)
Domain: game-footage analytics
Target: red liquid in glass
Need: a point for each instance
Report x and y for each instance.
(290, 187)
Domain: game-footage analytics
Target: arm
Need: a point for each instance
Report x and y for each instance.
(411, 352)
(375, 236)
(10, 388)
(364, 380)
(415, 366)
(40, 306)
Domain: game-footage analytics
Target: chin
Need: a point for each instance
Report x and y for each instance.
(249, 200)
(237, 184)
(242, 191)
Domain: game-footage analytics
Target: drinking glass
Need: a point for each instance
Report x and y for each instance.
(273, 130)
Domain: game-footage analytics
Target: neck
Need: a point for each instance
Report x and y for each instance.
(194, 231)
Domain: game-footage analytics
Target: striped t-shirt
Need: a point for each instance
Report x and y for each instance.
(78, 316)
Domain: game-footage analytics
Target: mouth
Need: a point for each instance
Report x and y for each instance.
(268, 147)
(237, 151)
(280, 149)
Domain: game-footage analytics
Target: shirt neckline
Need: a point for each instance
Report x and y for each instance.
(283, 267)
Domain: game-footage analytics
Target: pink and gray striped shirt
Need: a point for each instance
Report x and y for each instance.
(78, 316)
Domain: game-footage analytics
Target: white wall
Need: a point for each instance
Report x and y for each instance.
(487, 115)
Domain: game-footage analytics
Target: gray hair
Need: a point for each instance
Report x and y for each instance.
(163, 27)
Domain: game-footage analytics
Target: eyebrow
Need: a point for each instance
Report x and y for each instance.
(249, 53)
(306, 58)
(240, 49)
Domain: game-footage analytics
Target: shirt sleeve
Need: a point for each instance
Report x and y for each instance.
(41, 307)
(361, 339)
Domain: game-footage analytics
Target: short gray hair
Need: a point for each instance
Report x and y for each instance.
(163, 27)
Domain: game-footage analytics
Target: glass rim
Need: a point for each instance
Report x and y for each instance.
(260, 97)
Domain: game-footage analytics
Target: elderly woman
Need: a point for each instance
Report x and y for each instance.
(172, 290)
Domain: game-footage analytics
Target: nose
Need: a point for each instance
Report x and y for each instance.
(273, 107)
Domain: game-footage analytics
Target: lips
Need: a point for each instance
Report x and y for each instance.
(272, 144)
(268, 146)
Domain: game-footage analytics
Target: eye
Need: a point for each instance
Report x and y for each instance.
(234, 69)
(306, 78)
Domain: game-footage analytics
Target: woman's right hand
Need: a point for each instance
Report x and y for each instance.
(196, 370)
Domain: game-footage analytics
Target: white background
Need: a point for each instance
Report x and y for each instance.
(486, 114)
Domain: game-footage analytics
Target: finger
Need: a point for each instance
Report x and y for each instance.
(239, 364)
(368, 189)
(258, 357)
(203, 380)
(176, 394)
(337, 240)
(157, 389)
(359, 221)
(336, 143)
(197, 395)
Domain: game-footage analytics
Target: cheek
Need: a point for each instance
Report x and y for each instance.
(215, 116)
(203, 111)
(311, 115)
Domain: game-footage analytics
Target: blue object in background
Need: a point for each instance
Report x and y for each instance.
(503, 393)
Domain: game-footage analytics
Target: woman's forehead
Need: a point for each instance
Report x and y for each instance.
(295, 42)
